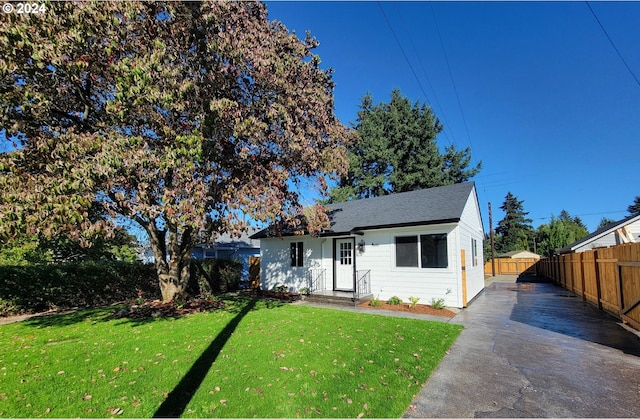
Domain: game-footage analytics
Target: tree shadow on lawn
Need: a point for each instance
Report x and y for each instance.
(67, 318)
(175, 404)
(232, 304)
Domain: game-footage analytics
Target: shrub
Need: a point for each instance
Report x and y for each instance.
(395, 301)
(375, 302)
(40, 287)
(280, 288)
(437, 303)
(414, 301)
(212, 276)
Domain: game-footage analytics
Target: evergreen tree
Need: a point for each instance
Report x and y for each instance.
(605, 222)
(398, 152)
(514, 230)
(456, 163)
(634, 209)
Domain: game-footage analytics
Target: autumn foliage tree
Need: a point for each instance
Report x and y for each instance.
(176, 116)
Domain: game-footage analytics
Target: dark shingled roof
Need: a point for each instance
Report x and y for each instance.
(421, 207)
(608, 229)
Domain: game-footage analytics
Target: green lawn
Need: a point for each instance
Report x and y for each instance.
(254, 360)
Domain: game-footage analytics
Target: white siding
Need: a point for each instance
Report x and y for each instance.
(388, 280)
(470, 227)
(611, 239)
(275, 262)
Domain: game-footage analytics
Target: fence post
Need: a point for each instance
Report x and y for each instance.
(582, 280)
(598, 288)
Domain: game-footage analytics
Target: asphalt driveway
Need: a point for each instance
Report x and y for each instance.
(532, 349)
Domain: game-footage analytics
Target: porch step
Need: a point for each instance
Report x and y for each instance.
(337, 298)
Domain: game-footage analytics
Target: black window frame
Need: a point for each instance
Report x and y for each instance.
(296, 254)
(410, 251)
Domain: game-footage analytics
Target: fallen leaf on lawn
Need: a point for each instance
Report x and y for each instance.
(87, 397)
(47, 410)
(416, 355)
(360, 415)
(115, 411)
(349, 401)
(116, 369)
(396, 359)
(223, 402)
(60, 372)
(313, 372)
(216, 388)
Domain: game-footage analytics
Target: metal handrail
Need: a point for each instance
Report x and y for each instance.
(363, 284)
(316, 280)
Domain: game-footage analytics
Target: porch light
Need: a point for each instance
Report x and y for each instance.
(361, 246)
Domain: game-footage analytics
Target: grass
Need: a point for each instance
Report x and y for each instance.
(253, 360)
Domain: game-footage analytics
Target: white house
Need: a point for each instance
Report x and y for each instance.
(405, 244)
(626, 230)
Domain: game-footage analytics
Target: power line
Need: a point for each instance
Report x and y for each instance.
(613, 44)
(447, 126)
(455, 89)
(402, 49)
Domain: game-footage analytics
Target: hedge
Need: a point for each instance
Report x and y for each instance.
(41, 287)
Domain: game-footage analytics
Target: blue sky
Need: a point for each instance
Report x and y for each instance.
(535, 88)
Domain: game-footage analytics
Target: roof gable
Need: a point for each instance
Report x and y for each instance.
(608, 229)
(437, 205)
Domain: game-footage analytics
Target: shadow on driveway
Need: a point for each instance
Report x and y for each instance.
(550, 307)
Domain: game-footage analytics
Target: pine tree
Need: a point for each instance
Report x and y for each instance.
(514, 230)
(634, 209)
(398, 152)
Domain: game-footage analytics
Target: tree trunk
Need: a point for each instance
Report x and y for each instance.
(173, 262)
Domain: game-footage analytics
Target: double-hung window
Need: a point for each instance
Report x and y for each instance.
(423, 251)
(297, 254)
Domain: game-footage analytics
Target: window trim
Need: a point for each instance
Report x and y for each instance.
(296, 254)
(418, 237)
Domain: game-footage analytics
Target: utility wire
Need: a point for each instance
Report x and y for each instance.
(402, 49)
(613, 44)
(455, 89)
(435, 96)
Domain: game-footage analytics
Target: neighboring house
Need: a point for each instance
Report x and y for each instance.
(520, 254)
(405, 244)
(230, 248)
(624, 231)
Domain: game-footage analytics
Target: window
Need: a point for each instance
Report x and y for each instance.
(474, 252)
(407, 251)
(297, 254)
(345, 253)
(432, 249)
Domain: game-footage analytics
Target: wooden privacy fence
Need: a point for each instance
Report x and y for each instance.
(607, 277)
(510, 266)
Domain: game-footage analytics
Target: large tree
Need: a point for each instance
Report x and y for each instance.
(559, 232)
(178, 116)
(514, 231)
(398, 151)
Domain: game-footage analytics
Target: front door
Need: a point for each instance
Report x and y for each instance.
(344, 263)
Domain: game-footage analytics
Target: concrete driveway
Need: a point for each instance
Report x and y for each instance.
(532, 349)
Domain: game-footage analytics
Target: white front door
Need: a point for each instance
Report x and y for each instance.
(344, 264)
